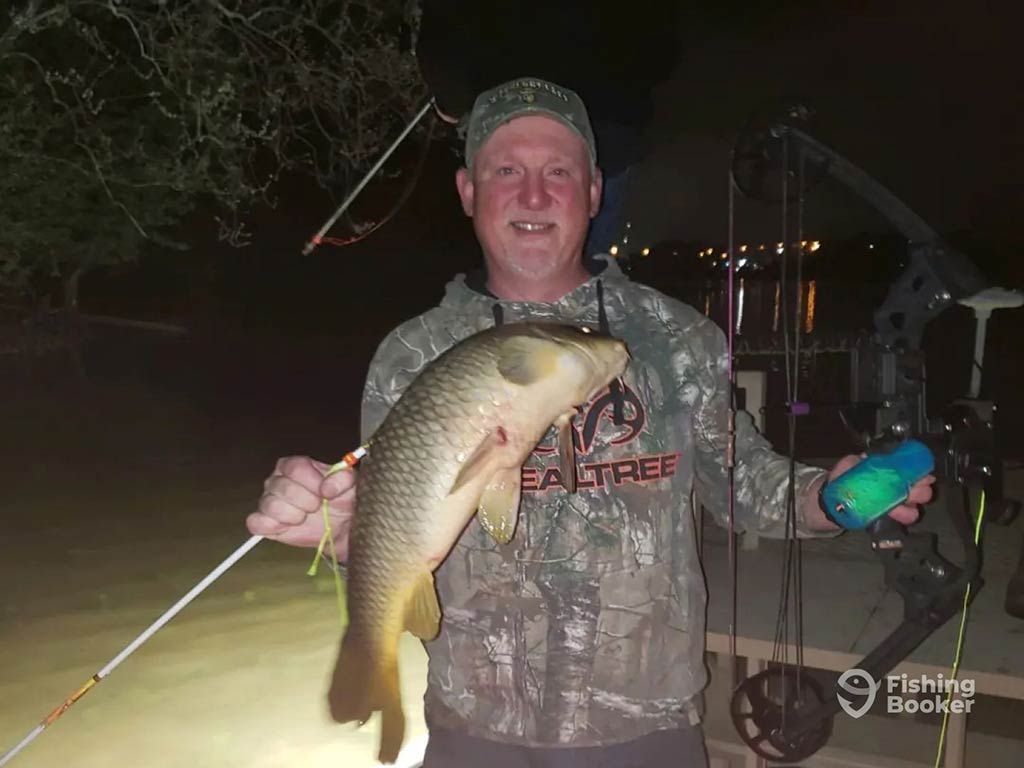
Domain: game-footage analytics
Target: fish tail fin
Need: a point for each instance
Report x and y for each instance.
(365, 682)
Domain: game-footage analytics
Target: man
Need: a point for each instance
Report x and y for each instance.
(612, 54)
(582, 641)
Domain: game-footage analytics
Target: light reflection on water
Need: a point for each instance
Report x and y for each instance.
(838, 312)
(739, 308)
(778, 303)
(812, 290)
(714, 298)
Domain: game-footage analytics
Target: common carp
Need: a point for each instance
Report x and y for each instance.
(453, 445)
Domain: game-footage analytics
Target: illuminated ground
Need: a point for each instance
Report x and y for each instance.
(236, 680)
(116, 500)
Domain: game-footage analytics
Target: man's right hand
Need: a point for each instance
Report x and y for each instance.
(290, 508)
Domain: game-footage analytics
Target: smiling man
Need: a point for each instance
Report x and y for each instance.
(531, 186)
(581, 642)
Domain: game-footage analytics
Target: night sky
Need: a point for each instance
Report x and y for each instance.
(925, 97)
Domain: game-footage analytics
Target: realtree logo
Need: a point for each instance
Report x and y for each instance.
(599, 474)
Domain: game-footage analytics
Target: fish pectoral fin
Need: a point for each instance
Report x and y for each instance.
(422, 613)
(499, 505)
(481, 461)
(524, 360)
(567, 451)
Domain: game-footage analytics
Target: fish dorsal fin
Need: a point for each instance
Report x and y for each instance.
(524, 359)
(498, 512)
(422, 613)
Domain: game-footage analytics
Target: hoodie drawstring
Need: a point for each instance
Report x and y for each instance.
(615, 387)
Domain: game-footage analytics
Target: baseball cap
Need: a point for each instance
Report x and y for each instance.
(526, 96)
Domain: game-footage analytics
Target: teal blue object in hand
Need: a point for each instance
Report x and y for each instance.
(876, 485)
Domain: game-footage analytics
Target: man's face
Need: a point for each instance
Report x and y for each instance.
(531, 196)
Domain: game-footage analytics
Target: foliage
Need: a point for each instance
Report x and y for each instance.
(119, 118)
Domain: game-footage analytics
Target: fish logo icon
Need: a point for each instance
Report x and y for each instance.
(859, 683)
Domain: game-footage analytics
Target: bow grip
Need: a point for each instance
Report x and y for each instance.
(871, 489)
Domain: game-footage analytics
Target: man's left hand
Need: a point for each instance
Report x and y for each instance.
(906, 513)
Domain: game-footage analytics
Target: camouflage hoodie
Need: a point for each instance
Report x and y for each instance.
(588, 627)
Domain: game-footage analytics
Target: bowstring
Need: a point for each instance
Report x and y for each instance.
(792, 567)
(796, 394)
(780, 649)
(730, 451)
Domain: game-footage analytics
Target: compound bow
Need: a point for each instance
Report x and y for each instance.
(782, 713)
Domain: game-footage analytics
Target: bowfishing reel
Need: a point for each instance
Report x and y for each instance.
(764, 705)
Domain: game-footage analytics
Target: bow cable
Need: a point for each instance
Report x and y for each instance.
(730, 449)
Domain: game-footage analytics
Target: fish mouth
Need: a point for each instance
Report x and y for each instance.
(622, 357)
(604, 383)
(605, 362)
